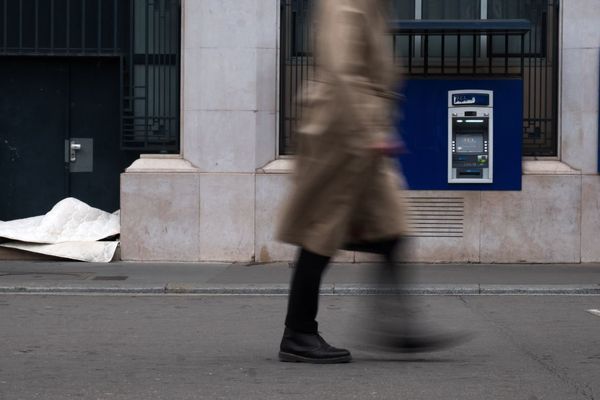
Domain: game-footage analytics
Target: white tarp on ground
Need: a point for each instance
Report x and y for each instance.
(99, 252)
(70, 230)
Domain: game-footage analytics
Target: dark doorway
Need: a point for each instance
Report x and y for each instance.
(47, 104)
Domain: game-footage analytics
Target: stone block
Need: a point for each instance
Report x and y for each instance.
(220, 141)
(590, 219)
(579, 144)
(266, 138)
(580, 24)
(540, 224)
(267, 15)
(579, 105)
(271, 192)
(221, 23)
(160, 216)
(221, 79)
(580, 79)
(227, 204)
(266, 79)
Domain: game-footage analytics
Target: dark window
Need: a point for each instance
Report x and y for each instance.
(540, 73)
(151, 90)
(403, 9)
(143, 34)
(62, 27)
(451, 9)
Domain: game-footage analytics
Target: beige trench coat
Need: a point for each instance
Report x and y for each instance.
(345, 192)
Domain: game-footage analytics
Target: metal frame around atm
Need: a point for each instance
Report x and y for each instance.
(489, 107)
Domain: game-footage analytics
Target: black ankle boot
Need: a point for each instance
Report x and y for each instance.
(310, 348)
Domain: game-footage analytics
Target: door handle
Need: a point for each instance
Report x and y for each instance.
(73, 149)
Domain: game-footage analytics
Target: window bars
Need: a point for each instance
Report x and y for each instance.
(62, 27)
(150, 71)
(143, 34)
(448, 48)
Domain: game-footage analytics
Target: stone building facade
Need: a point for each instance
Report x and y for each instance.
(218, 200)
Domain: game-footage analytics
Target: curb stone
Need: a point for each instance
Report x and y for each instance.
(327, 289)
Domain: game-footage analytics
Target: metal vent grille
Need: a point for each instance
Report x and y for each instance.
(435, 216)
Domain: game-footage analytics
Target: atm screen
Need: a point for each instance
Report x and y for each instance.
(469, 143)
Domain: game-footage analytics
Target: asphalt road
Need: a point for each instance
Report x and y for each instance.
(225, 347)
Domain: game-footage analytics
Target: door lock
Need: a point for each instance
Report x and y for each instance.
(73, 149)
(79, 154)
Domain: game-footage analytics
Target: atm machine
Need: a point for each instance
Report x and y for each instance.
(470, 136)
(462, 134)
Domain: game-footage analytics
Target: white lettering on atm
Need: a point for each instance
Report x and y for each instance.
(463, 100)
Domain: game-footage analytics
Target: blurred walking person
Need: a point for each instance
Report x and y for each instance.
(347, 192)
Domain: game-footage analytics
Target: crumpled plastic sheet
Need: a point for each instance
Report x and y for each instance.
(72, 229)
(96, 252)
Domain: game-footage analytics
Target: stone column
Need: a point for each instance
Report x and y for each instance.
(229, 92)
(580, 55)
(580, 69)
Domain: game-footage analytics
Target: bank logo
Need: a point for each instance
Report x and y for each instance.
(470, 99)
(460, 100)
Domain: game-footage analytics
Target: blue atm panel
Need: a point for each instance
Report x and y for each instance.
(424, 128)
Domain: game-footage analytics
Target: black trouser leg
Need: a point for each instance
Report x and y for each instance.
(393, 313)
(388, 273)
(303, 302)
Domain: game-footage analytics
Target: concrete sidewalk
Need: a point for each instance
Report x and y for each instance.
(272, 279)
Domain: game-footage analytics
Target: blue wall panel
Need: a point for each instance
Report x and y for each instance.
(424, 129)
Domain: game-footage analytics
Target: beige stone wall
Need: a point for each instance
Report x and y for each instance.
(215, 203)
(229, 118)
(580, 58)
(540, 224)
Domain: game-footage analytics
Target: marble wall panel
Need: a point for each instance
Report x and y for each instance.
(266, 79)
(220, 79)
(267, 33)
(579, 105)
(220, 141)
(580, 23)
(227, 206)
(160, 217)
(266, 137)
(221, 23)
(271, 192)
(590, 219)
(541, 224)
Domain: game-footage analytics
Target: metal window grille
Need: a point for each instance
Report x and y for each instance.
(424, 49)
(62, 27)
(144, 34)
(434, 53)
(150, 117)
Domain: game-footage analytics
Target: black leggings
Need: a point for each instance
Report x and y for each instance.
(303, 302)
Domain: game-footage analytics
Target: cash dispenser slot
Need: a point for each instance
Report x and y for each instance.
(469, 173)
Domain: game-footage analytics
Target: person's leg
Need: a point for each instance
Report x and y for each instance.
(389, 312)
(390, 249)
(398, 327)
(301, 341)
(303, 302)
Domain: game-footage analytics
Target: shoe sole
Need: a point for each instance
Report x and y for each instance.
(288, 357)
